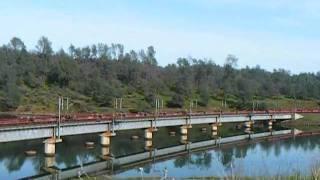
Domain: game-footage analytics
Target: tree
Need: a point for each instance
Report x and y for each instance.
(85, 53)
(103, 51)
(204, 96)
(72, 51)
(110, 72)
(177, 101)
(229, 74)
(44, 47)
(94, 51)
(12, 92)
(17, 44)
(150, 56)
(231, 61)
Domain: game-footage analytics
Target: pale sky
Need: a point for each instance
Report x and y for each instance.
(270, 33)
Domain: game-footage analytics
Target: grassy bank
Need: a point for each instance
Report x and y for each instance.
(44, 100)
(309, 122)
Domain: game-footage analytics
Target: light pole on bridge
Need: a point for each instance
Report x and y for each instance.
(159, 104)
(61, 105)
(117, 105)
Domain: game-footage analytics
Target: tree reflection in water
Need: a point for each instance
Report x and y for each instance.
(227, 156)
(199, 160)
(12, 155)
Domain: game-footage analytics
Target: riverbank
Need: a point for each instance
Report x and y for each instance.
(309, 122)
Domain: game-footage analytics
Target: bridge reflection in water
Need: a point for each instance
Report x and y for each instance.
(112, 165)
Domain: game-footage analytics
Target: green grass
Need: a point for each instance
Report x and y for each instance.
(311, 117)
(310, 122)
(286, 103)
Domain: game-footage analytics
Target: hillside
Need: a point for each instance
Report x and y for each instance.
(92, 76)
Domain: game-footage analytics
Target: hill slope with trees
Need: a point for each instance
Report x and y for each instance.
(92, 76)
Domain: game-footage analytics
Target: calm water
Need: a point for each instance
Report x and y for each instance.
(283, 157)
(264, 158)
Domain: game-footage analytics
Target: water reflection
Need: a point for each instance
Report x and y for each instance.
(199, 160)
(267, 158)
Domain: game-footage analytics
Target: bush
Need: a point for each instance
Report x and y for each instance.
(177, 101)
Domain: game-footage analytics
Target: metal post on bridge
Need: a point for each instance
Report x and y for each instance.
(61, 112)
(190, 113)
(67, 105)
(253, 106)
(117, 109)
(162, 104)
(156, 112)
(59, 116)
(120, 108)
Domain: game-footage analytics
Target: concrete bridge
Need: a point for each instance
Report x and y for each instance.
(118, 164)
(108, 128)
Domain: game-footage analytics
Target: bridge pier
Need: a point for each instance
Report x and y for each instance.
(105, 138)
(184, 134)
(270, 123)
(248, 127)
(50, 146)
(184, 129)
(248, 124)
(214, 129)
(148, 133)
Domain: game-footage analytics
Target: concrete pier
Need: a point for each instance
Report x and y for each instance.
(214, 129)
(248, 124)
(248, 127)
(184, 130)
(148, 133)
(50, 146)
(270, 123)
(184, 134)
(105, 138)
(148, 138)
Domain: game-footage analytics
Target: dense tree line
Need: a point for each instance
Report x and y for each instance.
(102, 72)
